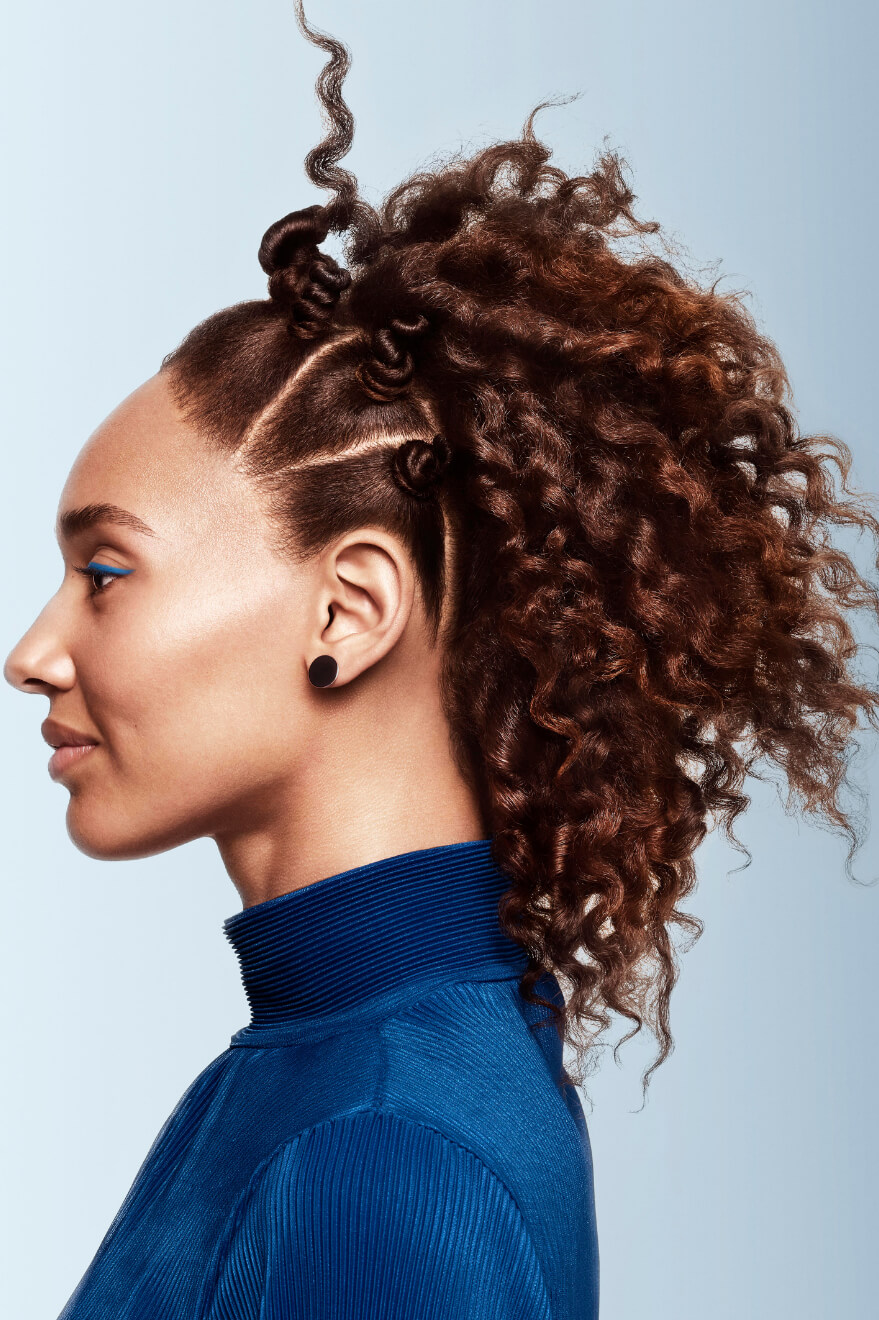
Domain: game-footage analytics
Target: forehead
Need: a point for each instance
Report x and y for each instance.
(147, 460)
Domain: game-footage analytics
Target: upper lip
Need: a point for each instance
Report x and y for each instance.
(60, 735)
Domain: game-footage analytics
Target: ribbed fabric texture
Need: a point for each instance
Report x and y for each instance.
(385, 1140)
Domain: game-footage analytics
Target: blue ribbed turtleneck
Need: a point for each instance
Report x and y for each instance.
(364, 940)
(392, 1142)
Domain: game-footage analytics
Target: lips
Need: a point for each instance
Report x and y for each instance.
(62, 735)
(71, 746)
(65, 756)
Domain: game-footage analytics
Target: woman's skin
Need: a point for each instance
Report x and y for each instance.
(191, 673)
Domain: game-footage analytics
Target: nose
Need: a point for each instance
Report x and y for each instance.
(40, 662)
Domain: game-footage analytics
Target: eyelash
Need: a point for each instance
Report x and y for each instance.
(96, 573)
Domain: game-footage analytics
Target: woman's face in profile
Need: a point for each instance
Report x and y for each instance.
(187, 672)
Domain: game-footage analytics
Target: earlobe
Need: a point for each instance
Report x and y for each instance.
(323, 671)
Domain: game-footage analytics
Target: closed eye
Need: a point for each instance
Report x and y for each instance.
(95, 571)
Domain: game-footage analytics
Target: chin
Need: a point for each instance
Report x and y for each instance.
(115, 840)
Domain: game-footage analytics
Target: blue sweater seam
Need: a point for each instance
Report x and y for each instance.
(430, 989)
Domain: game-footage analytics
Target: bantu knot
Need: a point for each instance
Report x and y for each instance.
(388, 371)
(418, 465)
(303, 281)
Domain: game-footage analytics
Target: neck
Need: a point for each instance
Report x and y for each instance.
(379, 784)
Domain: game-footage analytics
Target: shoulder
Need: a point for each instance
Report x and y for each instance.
(466, 1060)
(374, 1213)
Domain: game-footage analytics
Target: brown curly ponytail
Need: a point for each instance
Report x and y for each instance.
(646, 600)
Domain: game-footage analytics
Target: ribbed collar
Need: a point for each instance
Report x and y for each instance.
(363, 942)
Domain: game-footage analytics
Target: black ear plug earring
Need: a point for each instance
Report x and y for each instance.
(323, 671)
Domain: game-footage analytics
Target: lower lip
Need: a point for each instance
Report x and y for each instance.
(65, 757)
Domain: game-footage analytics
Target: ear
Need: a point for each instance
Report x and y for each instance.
(364, 600)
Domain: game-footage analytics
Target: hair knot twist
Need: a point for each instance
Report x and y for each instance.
(303, 281)
(418, 465)
(388, 372)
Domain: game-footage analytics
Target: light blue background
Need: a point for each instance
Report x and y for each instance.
(148, 148)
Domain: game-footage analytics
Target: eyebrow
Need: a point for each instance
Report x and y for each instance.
(72, 522)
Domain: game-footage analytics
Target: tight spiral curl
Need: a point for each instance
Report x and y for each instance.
(387, 373)
(646, 601)
(418, 465)
(303, 281)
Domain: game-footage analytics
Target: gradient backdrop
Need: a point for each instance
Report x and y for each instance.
(147, 148)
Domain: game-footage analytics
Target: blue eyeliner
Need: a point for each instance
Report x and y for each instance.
(106, 568)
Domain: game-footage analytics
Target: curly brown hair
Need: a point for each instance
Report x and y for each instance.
(644, 599)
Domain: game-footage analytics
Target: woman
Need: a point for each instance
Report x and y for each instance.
(453, 594)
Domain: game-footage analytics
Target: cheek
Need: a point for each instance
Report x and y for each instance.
(201, 698)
